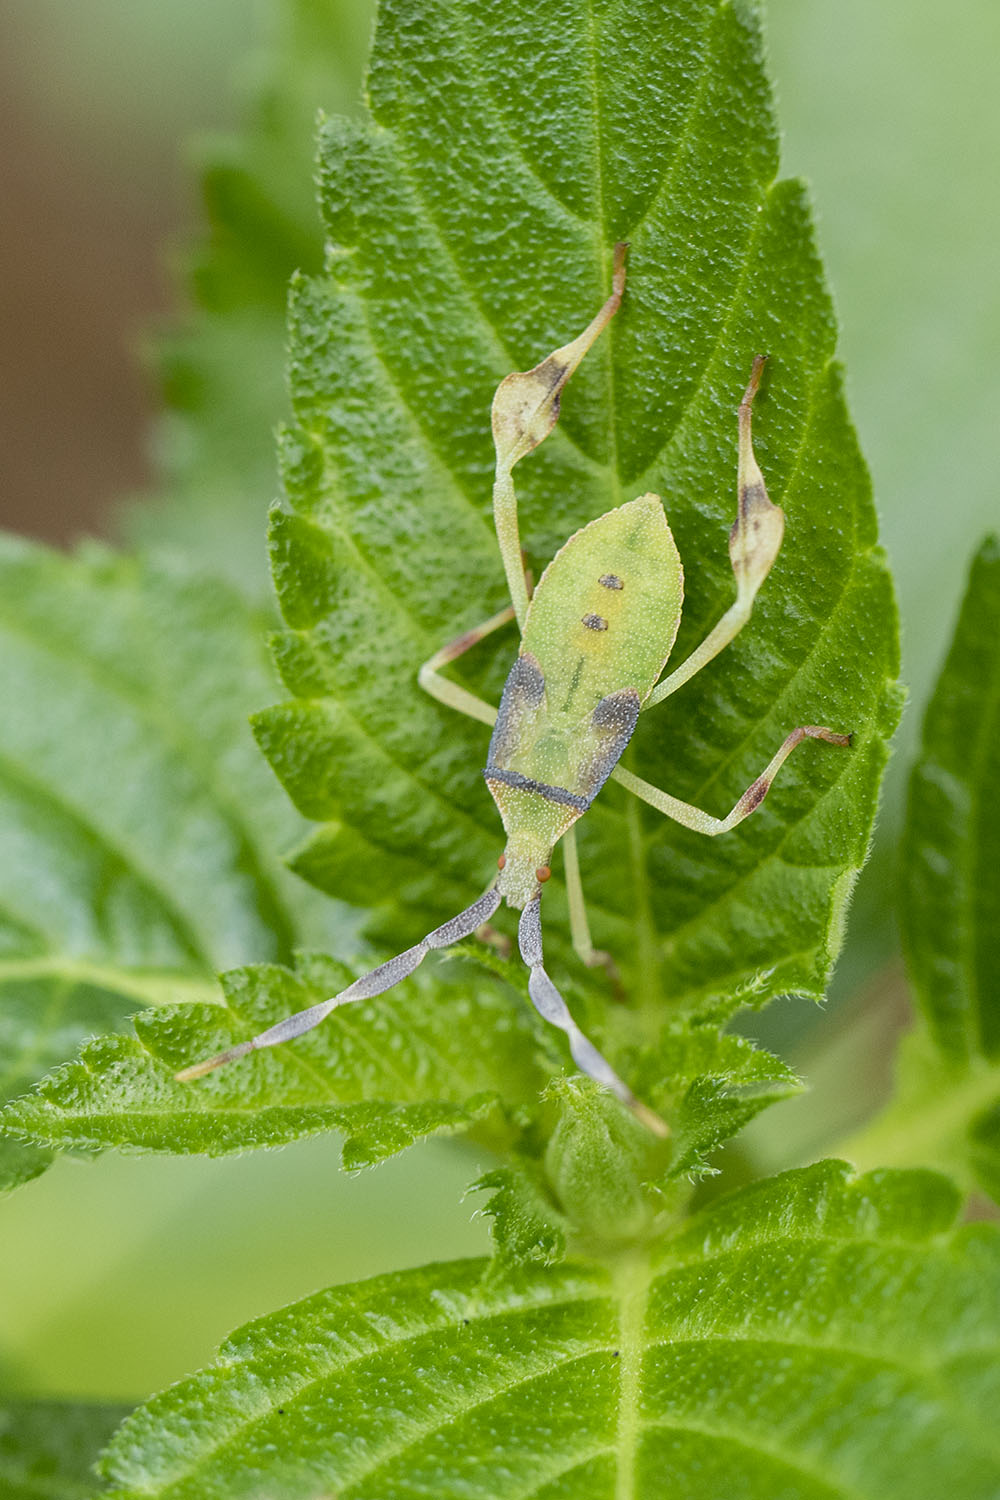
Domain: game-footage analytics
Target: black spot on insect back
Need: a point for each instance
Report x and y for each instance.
(611, 581)
(594, 622)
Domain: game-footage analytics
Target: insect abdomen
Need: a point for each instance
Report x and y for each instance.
(606, 609)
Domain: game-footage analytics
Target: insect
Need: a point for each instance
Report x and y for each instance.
(596, 634)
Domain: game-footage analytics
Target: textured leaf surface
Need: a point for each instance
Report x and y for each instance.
(434, 1056)
(948, 1109)
(813, 1337)
(47, 1448)
(138, 829)
(430, 1058)
(471, 224)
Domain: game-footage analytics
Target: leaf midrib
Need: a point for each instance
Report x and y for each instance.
(633, 1282)
(636, 1284)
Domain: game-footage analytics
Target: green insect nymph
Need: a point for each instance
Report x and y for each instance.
(595, 637)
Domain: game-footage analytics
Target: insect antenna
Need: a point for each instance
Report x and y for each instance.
(375, 982)
(553, 1008)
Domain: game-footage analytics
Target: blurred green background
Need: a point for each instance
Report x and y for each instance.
(119, 1276)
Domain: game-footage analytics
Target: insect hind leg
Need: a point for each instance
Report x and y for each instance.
(553, 1008)
(375, 982)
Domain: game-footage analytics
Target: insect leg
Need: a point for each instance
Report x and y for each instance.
(525, 410)
(754, 543)
(703, 822)
(553, 1008)
(449, 693)
(375, 982)
(579, 927)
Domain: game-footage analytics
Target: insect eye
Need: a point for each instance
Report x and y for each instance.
(501, 861)
(542, 874)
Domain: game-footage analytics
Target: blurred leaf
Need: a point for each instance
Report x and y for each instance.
(223, 369)
(951, 855)
(47, 1448)
(811, 1335)
(947, 1112)
(459, 254)
(137, 824)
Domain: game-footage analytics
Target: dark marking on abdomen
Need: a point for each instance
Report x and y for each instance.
(525, 784)
(594, 622)
(611, 581)
(574, 684)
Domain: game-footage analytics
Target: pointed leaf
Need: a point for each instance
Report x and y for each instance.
(430, 1058)
(461, 253)
(947, 1111)
(814, 1336)
(951, 859)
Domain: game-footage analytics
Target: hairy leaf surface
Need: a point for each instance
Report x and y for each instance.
(601, 1181)
(813, 1336)
(48, 1448)
(438, 1055)
(138, 828)
(431, 1058)
(471, 221)
(948, 1109)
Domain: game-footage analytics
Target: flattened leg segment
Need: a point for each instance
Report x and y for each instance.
(525, 410)
(754, 543)
(375, 982)
(553, 1008)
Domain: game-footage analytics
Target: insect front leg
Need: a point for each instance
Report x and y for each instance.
(703, 822)
(553, 1008)
(754, 543)
(525, 410)
(375, 982)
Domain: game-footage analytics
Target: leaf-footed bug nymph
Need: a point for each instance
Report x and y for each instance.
(596, 634)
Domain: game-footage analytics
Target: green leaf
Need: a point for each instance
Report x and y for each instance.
(388, 1072)
(718, 1085)
(812, 1336)
(429, 1059)
(603, 1180)
(137, 824)
(460, 254)
(222, 370)
(951, 857)
(47, 1448)
(947, 1112)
